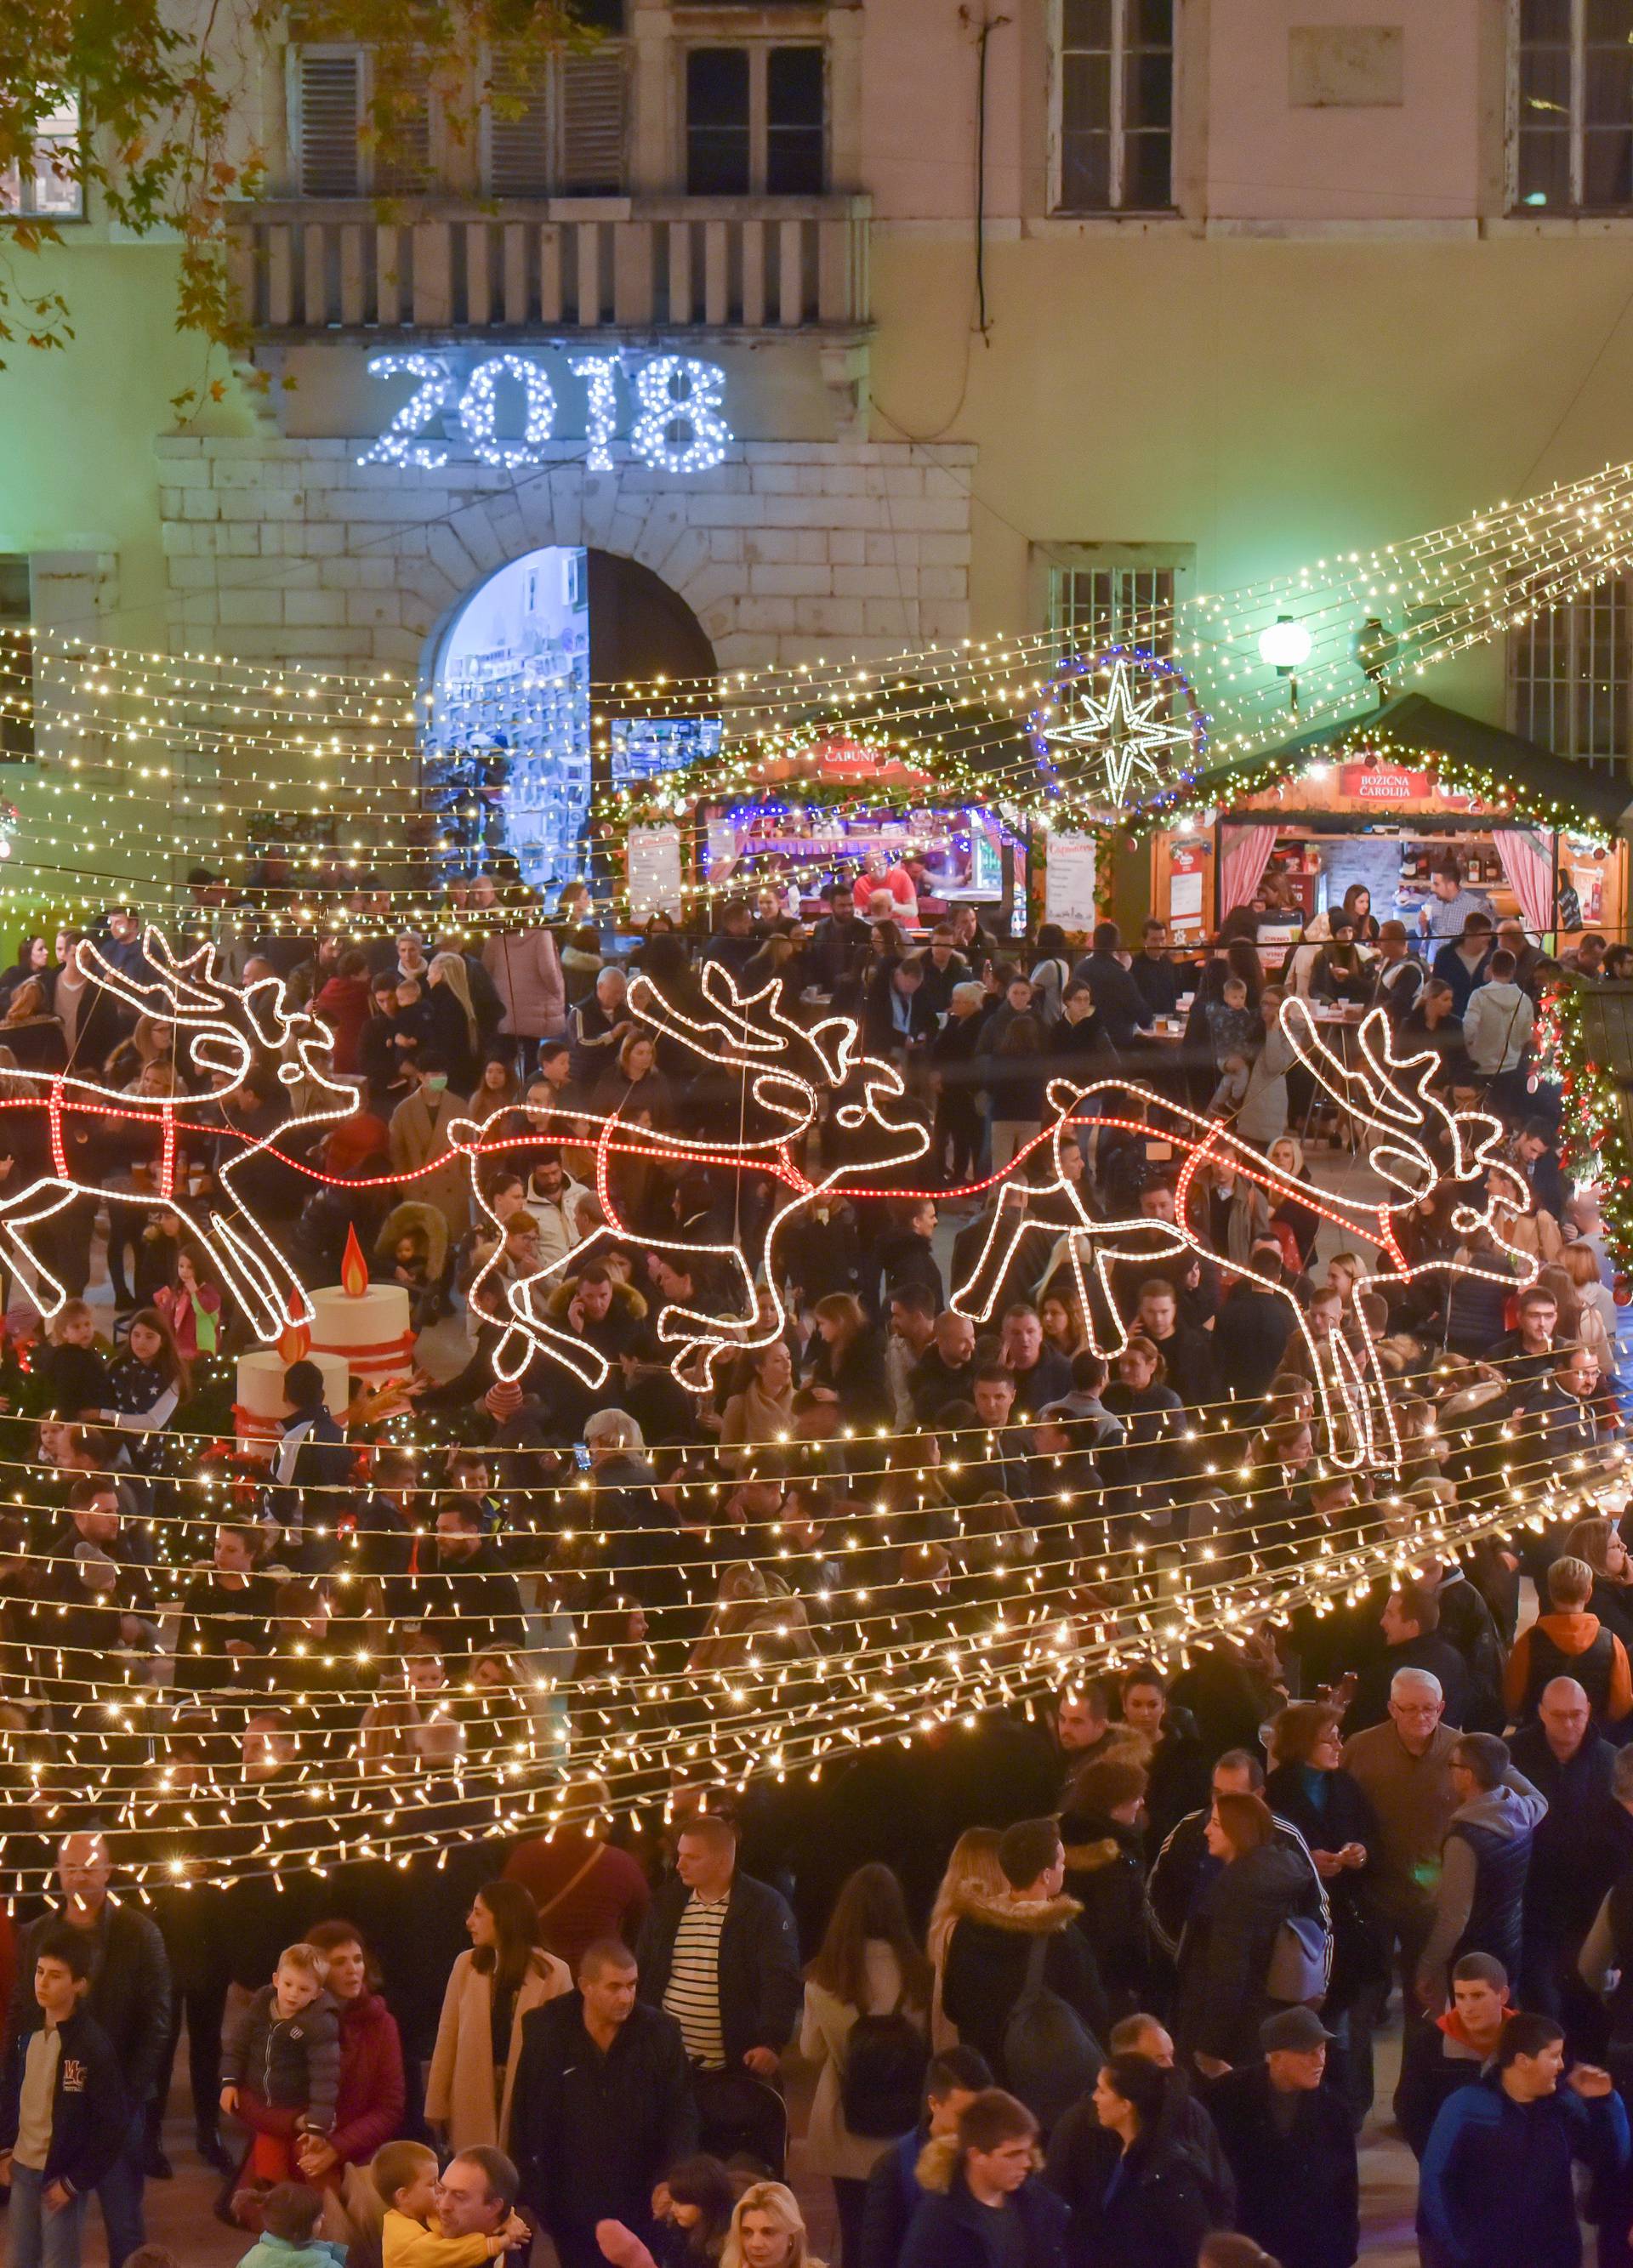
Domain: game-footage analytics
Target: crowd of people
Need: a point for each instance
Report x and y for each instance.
(593, 1661)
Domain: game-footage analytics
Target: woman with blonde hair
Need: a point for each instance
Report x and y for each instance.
(453, 1032)
(1580, 1314)
(1300, 1217)
(762, 1408)
(1346, 1274)
(768, 2231)
(973, 1878)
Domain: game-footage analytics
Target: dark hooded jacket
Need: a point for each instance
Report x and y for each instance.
(1146, 2207)
(987, 1958)
(950, 2230)
(1297, 2185)
(1106, 1873)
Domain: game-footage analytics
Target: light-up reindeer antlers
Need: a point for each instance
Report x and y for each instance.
(1388, 1092)
(185, 991)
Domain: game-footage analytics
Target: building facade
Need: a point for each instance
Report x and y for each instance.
(856, 328)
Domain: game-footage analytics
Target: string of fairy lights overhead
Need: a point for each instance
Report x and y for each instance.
(773, 1718)
(141, 751)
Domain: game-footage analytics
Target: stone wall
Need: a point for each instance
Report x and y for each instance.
(788, 552)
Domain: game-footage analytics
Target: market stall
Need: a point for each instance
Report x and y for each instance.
(792, 820)
(1379, 800)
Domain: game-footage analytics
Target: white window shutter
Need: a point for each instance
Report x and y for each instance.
(329, 111)
(518, 131)
(404, 170)
(592, 122)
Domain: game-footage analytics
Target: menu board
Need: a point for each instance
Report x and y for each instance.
(653, 854)
(1068, 882)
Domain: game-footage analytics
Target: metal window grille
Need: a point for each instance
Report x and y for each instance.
(1102, 606)
(1570, 677)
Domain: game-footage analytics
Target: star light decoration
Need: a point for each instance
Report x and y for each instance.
(1117, 747)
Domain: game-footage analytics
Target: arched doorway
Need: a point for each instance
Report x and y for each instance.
(509, 768)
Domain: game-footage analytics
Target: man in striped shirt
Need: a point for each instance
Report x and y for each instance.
(721, 1954)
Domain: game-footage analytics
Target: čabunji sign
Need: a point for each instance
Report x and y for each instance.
(674, 403)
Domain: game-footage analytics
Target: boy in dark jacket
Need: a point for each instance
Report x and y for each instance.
(987, 2169)
(284, 2056)
(1495, 2186)
(63, 2115)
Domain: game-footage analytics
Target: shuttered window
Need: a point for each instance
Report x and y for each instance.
(332, 99)
(327, 122)
(519, 131)
(592, 122)
(557, 128)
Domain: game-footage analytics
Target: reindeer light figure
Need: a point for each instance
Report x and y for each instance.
(1391, 1096)
(223, 1024)
(785, 1067)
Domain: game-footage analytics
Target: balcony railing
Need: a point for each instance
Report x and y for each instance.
(593, 263)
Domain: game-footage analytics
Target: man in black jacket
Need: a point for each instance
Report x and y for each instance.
(720, 1953)
(1183, 1868)
(603, 2106)
(1118, 999)
(990, 1945)
(1291, 2148)
(1575, 1854)
(129, 1997)
(469, 1601)
(954, 2079)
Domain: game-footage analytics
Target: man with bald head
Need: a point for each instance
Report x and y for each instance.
(129, 1997)
(1566, 1760)
(603, 2105)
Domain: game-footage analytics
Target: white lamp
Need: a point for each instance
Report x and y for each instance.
(1285, 645)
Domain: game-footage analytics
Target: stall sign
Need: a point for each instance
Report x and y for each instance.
(1069, 881)
(653, 883)
(1187, 866)
(1385, 783)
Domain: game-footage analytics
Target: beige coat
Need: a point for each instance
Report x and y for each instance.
(419, 1135)
(461, 2089)
(830, 2147)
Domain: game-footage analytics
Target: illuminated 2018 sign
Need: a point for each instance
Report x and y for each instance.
(676, 426)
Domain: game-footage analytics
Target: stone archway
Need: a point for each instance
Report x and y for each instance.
(653, 531)
(509, 760)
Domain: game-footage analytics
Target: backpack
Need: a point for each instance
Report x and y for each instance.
(882, 2086)
(1050, 2056)
(1299, 1961)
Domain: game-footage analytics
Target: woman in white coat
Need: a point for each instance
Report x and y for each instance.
(870, 1966)
(490, 1989)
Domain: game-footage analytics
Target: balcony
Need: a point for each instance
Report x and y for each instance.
(619, 264)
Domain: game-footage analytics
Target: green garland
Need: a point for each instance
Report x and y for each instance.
(1594, 1141)
(1503, 798)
